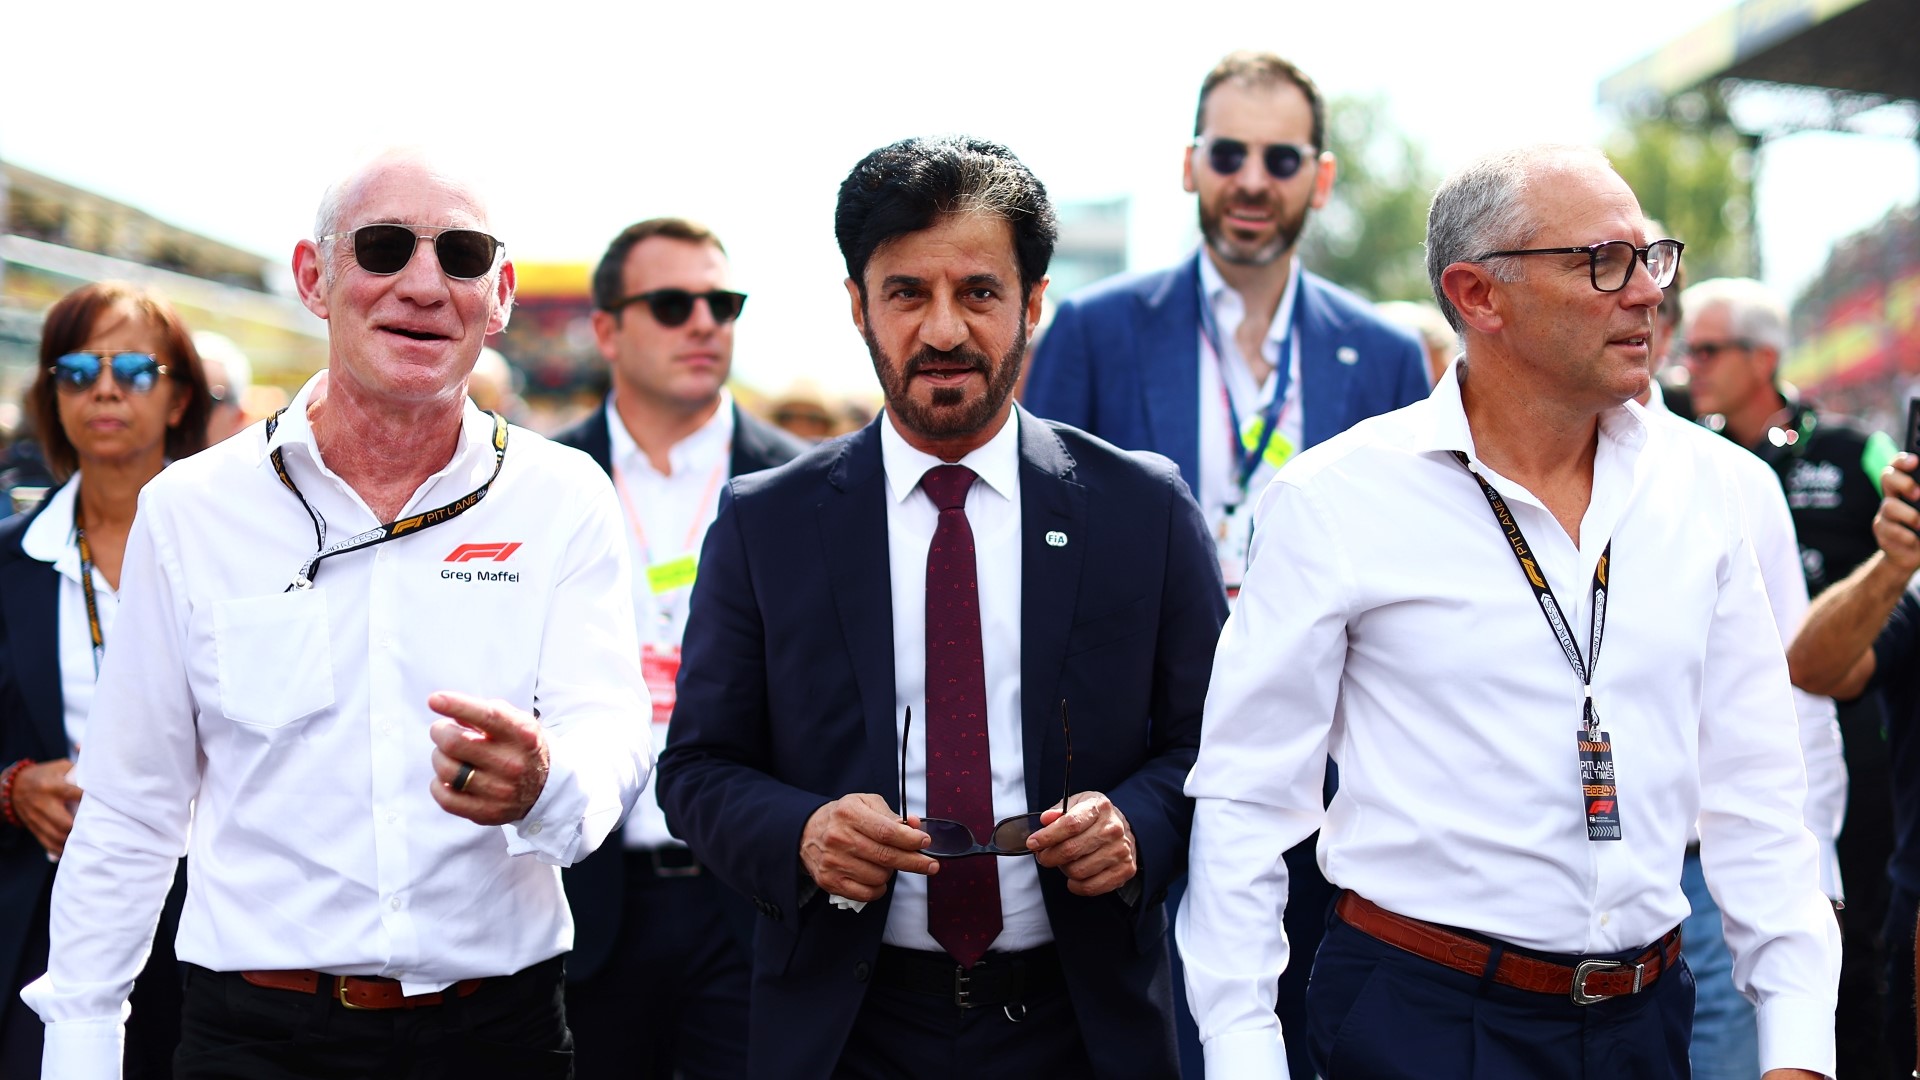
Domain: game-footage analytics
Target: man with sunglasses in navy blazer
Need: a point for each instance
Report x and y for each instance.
(1042, 603)
(1238, 357)
(657, 980)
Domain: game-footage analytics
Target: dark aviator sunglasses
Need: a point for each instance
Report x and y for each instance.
(952, 840)
(134, 372)
(673, 307)
(1228, 156)
(386, 249)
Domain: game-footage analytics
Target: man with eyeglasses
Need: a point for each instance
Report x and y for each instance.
(1734, 336)
(383, 663)
(1521, 617)
(908, 644)
(657, 981)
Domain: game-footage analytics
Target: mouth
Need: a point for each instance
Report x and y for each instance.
(415, 333)
(944, 374)
(1249, 217)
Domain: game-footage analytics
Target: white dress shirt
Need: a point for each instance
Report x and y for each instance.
(1219, 461)
(1416, 655)
(667, 515)
(1770, 525)
(993, 512)
(51, 539)
(291, 727)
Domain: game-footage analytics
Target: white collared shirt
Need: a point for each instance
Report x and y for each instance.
(667, 515)
(1770, 525)
(993, 512)
(1219, 463)
(1417, 656)
(292, 727)
(51, 539)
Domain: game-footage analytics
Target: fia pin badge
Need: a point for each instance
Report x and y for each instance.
(1056, 538)
(1346, 354)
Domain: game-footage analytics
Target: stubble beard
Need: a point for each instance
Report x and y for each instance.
(1286, 234)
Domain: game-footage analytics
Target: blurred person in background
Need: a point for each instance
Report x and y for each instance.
(229, 377)
(1234, 359)
(494, 386)
(802, 411)
(120, 392)
(657, 982)
(1734, 336)
(1423, 319)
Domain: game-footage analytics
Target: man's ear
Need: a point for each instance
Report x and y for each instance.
(1186, 171)
(308, 275)
(1474, 293)
(502, 299)
(1034, 305)
(859, 306)
(1324, 171)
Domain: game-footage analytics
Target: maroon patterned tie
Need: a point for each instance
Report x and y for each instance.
(963, 899)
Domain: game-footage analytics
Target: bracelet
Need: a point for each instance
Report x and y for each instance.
(7, 778)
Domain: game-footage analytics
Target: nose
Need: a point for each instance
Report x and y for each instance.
(945, 326)
(701, 321)
(422, 280)
(104, 384)
(1642, 290)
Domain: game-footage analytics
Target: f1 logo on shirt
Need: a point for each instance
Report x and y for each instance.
(471, 552)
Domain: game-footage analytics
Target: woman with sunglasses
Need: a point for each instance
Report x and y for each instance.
(119, 393)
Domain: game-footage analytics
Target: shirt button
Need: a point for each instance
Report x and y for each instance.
(1605, 918)
(533, 829)
(394, 903)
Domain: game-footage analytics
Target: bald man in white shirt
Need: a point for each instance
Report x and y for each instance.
(379, 652)
(1514, 802)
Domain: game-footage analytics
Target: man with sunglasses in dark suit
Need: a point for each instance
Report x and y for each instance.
(1236, 358)
(657, 981)
(1042, 604)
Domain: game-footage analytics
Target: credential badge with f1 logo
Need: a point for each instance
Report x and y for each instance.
(493, 552)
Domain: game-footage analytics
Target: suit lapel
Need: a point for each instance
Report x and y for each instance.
(1325, 382)
(1053, 514)
(852, 515)
(1170, 372)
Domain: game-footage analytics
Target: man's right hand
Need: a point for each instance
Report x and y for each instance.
(852, 846)
(41, 800)
(1894, 526)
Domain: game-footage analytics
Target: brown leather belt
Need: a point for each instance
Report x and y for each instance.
(355, 991)
(1584, 983)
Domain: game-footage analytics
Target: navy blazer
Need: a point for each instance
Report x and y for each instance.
(787, 681)
(597, 885)
(32, 725)
(1121, 360)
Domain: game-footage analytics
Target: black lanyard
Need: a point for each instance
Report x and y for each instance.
(392, 530)
(1549, 605)
(1246, 459)
(86, 584)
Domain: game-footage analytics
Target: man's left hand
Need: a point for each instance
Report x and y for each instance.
(1090, 842)
(507, 748)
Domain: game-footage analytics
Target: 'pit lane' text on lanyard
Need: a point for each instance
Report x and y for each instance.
(1597, 788)
(392, 530)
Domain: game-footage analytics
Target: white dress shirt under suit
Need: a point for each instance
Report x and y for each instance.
(290, 728)
(51, 539)
(1385, 621)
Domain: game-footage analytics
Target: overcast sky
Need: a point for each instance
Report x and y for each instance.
(231, 118)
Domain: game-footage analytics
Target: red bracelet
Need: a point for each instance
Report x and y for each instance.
(7, 778)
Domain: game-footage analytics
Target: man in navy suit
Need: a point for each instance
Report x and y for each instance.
(657, 980)
(1043, 603)
(1238, 357)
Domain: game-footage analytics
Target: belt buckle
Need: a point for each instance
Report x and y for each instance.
(660, 869)
(963, 987)
(1587, 967)
(340, 993)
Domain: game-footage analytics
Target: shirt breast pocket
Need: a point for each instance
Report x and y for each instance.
(276, 663)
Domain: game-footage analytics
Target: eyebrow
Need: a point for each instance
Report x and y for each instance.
(969, 282)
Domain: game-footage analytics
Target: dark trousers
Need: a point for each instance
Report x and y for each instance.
(1902, 907)
(1865, 844)
(671, 1001)
(906, 1033)
(511, 1028)
(153, 1028)
(1375, 1012)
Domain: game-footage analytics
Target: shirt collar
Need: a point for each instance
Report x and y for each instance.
(1213, 287)
(713, 439)
(997, 461)
(295, 432)
(50, 538)
(1441, 420)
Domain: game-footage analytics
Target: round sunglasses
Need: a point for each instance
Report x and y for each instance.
(673, 307)
(133, 372)
(1228, 156)
(386, 249)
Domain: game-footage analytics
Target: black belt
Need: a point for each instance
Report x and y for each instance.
(998, 979)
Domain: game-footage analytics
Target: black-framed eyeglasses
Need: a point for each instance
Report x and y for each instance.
(1610, 264)
(386, 249)
(673, 307)
(1228, 156)
(1706, 352)
(133, 372)
(952, 840)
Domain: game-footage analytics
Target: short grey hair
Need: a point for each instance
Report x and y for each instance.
(1483, 207)
(1754, 311)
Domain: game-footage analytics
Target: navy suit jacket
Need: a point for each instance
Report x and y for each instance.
(597, 885)
(788, 685)
(32, 725)
(1121, 360)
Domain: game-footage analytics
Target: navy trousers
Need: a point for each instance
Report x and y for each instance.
(1379, 1013)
